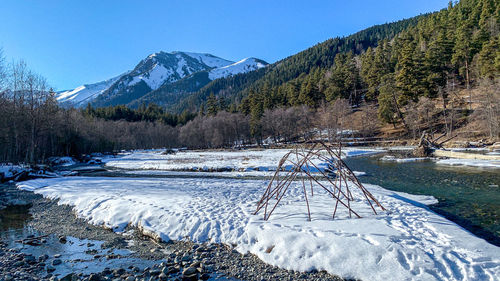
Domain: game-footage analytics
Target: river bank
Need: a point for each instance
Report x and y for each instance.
(205, 174)
(181, 260)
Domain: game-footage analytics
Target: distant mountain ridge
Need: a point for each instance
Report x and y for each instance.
(85, 93)
(158, 73)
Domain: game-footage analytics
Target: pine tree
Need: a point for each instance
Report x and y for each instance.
(222, 104)
(369, 73)
(244, 106)
(309, 94)
(89, 111)
(292, 92)
(344, 81)
(437, 62)
(489, 68)
(462, 55)
(256, 112)
(201, 111)
(409, 76)
(212, 105)
(389, 110)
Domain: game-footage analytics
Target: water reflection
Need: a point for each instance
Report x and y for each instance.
(14, 217)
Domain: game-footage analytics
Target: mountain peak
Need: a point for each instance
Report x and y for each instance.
(154, 71)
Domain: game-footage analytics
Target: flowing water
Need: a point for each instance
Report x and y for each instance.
(78, 255)
(468, 196)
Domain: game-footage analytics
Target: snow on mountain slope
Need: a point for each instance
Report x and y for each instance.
(153, 72)
(155, 77)
(209, 59)
(244, 65)
(160, 68)
(80, 96)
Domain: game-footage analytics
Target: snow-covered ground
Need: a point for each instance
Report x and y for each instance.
(406, 242)
(238, 160)
(233, 174)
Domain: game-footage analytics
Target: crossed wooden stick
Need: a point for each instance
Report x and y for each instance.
(298, 163)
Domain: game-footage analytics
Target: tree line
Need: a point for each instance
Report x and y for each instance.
(33, 127)
(151, 113)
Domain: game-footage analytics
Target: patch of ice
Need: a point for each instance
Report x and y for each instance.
(469, 162)
(406, 242)
(390, 158)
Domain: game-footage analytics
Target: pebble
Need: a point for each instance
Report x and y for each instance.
(189, 271)
(186, 258)
(68, 277)
(50, 268)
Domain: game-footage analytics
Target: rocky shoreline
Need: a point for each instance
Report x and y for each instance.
(175, 260)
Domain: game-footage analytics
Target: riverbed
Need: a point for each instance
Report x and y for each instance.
(209, 196)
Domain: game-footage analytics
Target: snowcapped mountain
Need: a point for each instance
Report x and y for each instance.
(170, 94)
(82, 95)
(244, 65)
(160, 73)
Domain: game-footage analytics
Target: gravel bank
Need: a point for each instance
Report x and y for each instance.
(175, 260)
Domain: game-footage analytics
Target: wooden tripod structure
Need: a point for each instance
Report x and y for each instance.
(300, 164)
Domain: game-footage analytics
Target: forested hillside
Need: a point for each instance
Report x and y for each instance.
(394, 65)
(319, 56)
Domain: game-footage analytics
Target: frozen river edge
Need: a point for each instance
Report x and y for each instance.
(409, 241)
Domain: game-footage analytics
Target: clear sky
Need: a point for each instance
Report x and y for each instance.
(85, 41)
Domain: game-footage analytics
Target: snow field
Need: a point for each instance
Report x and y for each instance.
(407, 242)
(238, 160)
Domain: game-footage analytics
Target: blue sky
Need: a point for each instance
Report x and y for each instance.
(77, 42)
